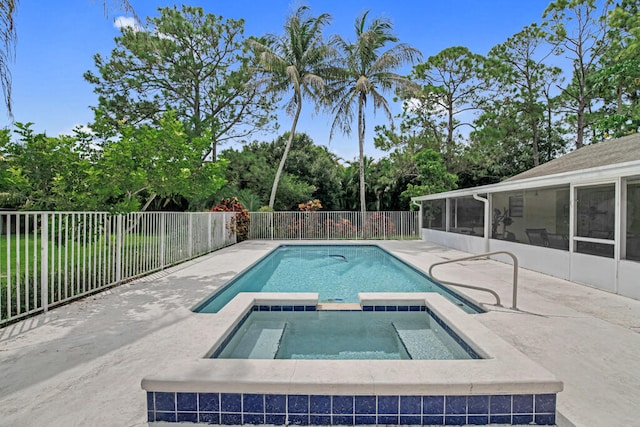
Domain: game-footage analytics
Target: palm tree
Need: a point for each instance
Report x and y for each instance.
(8, 39)
(296, 60)
(7, 52)
(366, 73)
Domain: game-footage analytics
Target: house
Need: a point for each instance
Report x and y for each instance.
(576, 217)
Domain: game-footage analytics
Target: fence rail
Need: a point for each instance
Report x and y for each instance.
(48, 258)
(334, 225)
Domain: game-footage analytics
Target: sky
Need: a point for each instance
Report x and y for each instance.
(57, 41)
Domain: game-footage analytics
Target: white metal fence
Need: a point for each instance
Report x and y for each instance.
(334, 225)
(48, 258)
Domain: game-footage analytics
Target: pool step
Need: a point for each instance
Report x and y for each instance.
(261, 340)
(348, 355)
(421, 343)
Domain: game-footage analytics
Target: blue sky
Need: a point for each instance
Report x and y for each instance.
(57, 41)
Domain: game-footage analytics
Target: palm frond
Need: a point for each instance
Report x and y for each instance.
(299, 56)
(364, 71)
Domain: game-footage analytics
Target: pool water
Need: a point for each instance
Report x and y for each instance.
(337, 272)
(343, 335)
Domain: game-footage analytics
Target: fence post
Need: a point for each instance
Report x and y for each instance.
(209, 236)
(326, 223)
(226, 230)
(384, 226)
(44, 261)
(163, 232)
(190, 237)
(118, 254)
(272, 224)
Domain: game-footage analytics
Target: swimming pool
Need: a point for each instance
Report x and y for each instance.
(344, 335)
(339, 273)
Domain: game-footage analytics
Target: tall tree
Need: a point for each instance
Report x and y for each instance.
(186, 61)
(8, 39)
(580, 26)
(452, 83)
(498, 146)
(157, 162)
(617, 81)
(526, 78)
(365, 72)
(311, 172)
(432, 176)
(297, 60)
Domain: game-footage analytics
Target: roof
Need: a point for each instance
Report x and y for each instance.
(597, 162)
(614, 151)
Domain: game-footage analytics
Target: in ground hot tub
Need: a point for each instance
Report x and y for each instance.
(344, 335)
(501, 386)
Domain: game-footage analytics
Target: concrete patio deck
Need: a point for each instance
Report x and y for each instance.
(81, 364)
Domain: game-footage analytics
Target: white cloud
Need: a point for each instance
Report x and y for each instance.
(79, 127)
(412, 104)
(127, 22)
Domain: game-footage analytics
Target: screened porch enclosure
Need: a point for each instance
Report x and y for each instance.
(542, 217)
(562, 218)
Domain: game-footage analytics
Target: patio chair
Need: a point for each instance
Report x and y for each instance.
(537, 236)
(558, 241)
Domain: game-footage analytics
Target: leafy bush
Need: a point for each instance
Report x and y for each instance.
(310, 206)
(240, 222)
(379, 225)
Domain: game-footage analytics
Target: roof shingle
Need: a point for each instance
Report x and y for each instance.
(620, 150)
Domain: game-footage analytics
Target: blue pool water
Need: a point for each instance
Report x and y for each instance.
(344, 335)
(337, 272)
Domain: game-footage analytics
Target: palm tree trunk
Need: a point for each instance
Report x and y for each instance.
(361, 129)
(292, 133)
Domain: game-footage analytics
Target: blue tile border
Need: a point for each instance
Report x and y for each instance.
(266, 307)
(386, 307)
(302, 409)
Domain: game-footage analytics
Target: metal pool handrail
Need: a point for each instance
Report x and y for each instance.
(484, 255)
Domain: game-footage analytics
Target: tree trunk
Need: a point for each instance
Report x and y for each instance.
(582, 105)
(148, 203)
(214, 150)
(536, 138)
(449, 153)
(361, 129)
(580, 130)
(276, 180)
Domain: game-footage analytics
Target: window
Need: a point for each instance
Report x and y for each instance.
(595, 219)
(538, 217)
(467, 216)
(633, 220)
(433, 214)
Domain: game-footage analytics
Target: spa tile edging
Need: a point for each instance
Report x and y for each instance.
(282, 409)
